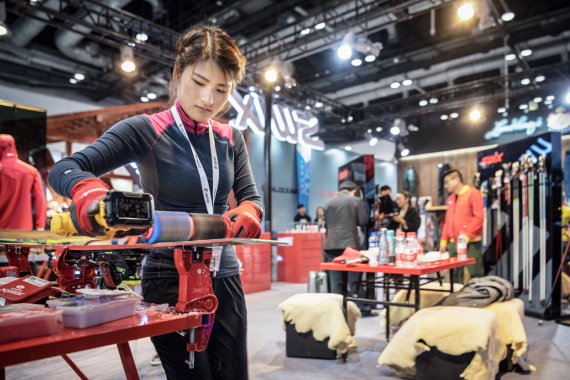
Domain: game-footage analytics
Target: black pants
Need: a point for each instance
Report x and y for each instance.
(335, 280)
(225, 357)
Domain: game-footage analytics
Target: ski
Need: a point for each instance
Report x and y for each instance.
(530, 200)
(542, 218)
(524, 189)
(516, 225)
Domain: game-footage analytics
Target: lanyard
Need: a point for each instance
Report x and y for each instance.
(215, 168)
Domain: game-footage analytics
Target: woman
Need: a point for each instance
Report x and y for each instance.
(408, 219)
(167, 147)
(320, 218)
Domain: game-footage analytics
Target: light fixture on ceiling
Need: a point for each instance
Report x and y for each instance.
(251, 89)
(550, 98)
(444, 117)
(356, 62)
(141, 37)
(370, 58)
(525, 81)
(3, 26)
(373, 141)
(318, 104)
(395, 130)
(315, 138)
(508, 16)
(369, 130)
(128, 64)
(151, 95)
(510, 57)
(526, 52)
(349, 118)
(271, 74)
(523, 106)
(379, 129)
(433, 100)
(403, 150)
(538, 99)
(501, 110)
(348, 148)
(308, 107)
(144, 99)
(305, 31)
(320, 25)
(465, 11)
(407, 82)
(540, 78)
(73, 81)
(395, 85)
(454, 115)
(277, 88)
(79, 76)
(344, 51)
(475, 114)
(567, 97)
(423, 103)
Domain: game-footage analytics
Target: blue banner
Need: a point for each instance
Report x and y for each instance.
(303, 175)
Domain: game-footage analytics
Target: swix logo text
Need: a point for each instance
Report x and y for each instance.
(492, 159)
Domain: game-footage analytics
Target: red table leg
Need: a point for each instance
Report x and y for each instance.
(128, 362)
(74, 367)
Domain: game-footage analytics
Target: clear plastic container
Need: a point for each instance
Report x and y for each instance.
(83, 313)
(19, 322)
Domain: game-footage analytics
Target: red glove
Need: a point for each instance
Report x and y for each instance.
(246, 220)
(86, 193)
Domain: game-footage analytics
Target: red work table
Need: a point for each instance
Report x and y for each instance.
(395, 278)
(118, 332)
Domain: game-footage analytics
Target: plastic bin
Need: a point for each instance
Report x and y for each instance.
(85, 313)
(19, 322)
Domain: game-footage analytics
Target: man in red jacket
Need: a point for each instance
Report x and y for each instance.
(464, 215)
(20, 187)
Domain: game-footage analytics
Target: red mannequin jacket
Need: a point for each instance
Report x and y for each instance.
(20, 188)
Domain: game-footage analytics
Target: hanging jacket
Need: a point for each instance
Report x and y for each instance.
(21, 189)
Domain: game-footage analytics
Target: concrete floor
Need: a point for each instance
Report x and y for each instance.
(549, 351)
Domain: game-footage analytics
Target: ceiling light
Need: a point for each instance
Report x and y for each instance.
(320, 25)
(423, 103)
(548, 102)
(151, 95)
(465, 11)
(550, 97)
(405, 152)
(370, 58)
(343, 120)
(350, 118)
(344, 51)
(141, 37)
(271, 75)
(454, 115)
(277, 88)
(369, 130)
(79, 76)
(510, 57)
(348, 148)
(523, 106)
(525, 81)
(395, 131)
(567, 97)
(73, 81)
(251, 89)
(127, 59)
(475, 114)
(395, 85)
(3, 29)
(318, 104)
(526, 52)
(315, 138)
(501, 110)
(508, 16)
(407, 82)
(144, 99)
(378, 129)
(444, 117)
(308, 108)
(540, 78)
(356, 62)
(433, 100)
(305, 31)
(373, 141)
(538, 99)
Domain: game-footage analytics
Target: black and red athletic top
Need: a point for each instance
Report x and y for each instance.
(167, 169)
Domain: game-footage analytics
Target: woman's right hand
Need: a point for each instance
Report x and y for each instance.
(86, 195)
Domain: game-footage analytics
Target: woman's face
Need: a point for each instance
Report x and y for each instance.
(203, 90)
(320, 212)
(401, 200)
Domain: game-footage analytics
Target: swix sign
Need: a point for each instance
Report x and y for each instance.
(286, 124)
(492, 159)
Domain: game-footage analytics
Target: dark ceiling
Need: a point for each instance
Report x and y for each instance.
(459, 63)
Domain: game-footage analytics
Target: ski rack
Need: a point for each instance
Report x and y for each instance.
(522, 230)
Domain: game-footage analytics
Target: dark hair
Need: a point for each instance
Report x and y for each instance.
(406, 194)
(385, 187)
(300, 205)
(451, 171)
(208, 42)
(347, 185)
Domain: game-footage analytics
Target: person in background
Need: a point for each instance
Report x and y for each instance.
(21, 190)
(408, 219)
(301, 216)
(320, 218)
(464, 214)
(343, 214)
(386, 209)
(182, 154)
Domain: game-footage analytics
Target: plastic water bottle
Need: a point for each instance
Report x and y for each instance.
(399, 248)
(411, 250)
(391, 247)
(462, 246)
(373, 249)
(383, 248)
